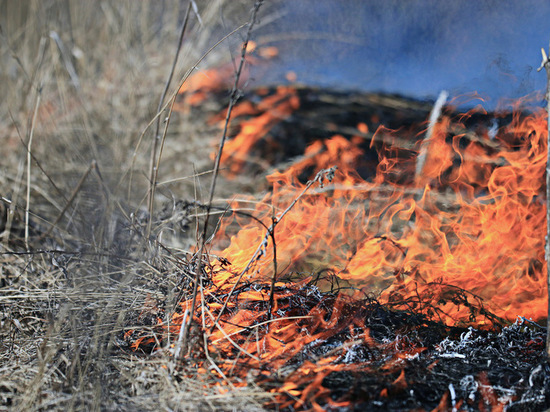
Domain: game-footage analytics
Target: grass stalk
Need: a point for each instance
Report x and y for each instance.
(235, 94)
(29, 163)
(153, 172)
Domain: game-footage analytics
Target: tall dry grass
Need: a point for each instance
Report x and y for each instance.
(80, 83)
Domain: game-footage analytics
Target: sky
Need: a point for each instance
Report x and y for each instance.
(415, 48)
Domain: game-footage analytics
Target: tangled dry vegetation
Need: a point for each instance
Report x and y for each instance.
(80, 83)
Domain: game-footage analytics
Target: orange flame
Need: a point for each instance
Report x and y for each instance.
(202, 84)
(477, 222)
(463, 242)
(465, 236)
(270, 111)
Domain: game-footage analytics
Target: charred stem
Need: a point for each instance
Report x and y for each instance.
(274, 278)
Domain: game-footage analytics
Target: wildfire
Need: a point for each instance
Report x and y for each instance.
(475, 221)
(462, 243)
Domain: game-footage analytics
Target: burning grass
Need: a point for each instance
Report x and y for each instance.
(368, 285)
(290, 302)
(474, 218)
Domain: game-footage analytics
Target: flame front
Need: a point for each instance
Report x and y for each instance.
(461, 242)
(474, 219)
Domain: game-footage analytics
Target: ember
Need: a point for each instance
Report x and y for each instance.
(382, 288)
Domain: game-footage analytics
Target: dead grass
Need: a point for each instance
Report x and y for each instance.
(86, 78)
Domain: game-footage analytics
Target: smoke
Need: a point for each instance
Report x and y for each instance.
(413, 48)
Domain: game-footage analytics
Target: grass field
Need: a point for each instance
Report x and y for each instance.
(81, 84)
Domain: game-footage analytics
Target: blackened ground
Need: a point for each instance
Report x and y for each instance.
(507, 368)
(413, 363)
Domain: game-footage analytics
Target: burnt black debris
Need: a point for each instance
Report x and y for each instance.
(441, 366)
(477, 370)
(380, 358)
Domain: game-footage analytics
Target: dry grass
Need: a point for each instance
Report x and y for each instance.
(83, 79)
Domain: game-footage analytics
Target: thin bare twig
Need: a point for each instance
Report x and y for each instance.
(232, 101)
(274, 277)
(325, 173)
(29, 162)
(172, 98)
(69, 201)
(204, 309)
(179, 342)
(153, 173)
(66, 59)
(434, 116)
(35, 159)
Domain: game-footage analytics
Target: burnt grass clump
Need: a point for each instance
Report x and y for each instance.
(413, 363)
(377, 357)
(472, 371)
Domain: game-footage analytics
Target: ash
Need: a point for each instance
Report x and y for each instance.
(414, 364)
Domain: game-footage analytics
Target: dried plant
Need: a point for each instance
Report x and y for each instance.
(80, 83)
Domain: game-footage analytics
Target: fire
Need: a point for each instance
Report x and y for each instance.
(270, 111)
(202, 84)
(474, 219)
(461, 243)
